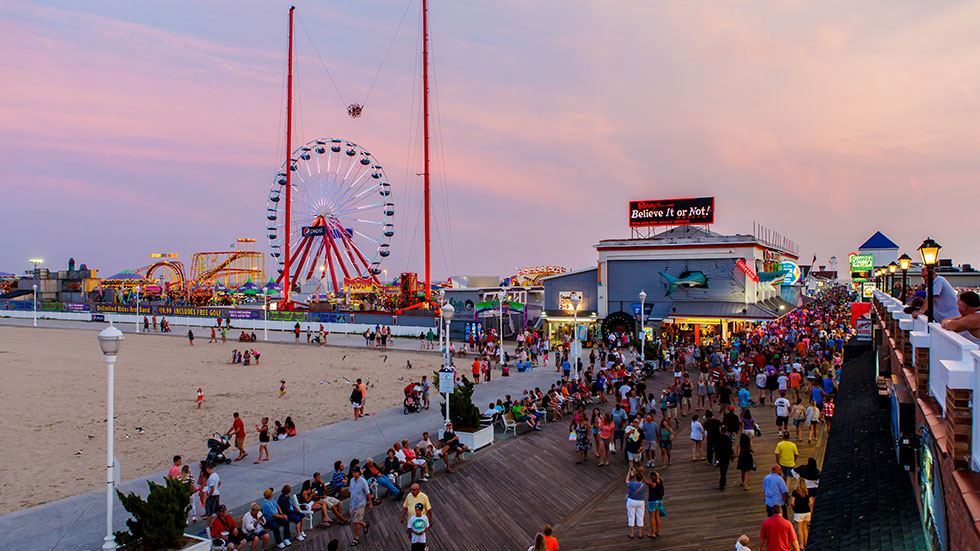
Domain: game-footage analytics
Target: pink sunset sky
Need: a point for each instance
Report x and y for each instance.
(128, 128)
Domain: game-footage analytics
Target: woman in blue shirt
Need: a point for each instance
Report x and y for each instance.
(635, 502)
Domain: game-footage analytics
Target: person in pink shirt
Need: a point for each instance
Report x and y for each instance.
(174, 471)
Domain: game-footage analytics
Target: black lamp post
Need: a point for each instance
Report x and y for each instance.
(904, 262)
(929, 250)
(892, 268)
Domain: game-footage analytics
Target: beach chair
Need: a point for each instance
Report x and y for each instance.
(510, 424)
(217, 544)
(306, 509)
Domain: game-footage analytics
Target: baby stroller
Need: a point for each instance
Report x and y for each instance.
(413, 400)
(217, 445)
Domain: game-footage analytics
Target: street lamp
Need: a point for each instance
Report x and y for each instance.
(35, 261)
(137, 289)
(904, 262)
(447, 312)
(575, 300)
(265, 315)
(35, 304)
(442, 302)
(502, 295)
(110, 340)
(643, 333)
(892, 268)
(929, 250)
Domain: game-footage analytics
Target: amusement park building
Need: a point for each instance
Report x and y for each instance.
(692, 277)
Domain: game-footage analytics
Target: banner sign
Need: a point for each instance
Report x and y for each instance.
(123, 308)
(98, 317)
(741, 265)
(447, 381)
(793, 273)
(314, 230)
(862, 262)
(868, 289)
(244, 314)
(276, 315)
(672, 212)
(20, 305)
(77, 307)
(329, 317)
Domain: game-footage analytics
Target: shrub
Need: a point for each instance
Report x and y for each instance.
(158, 521)
(462, 411)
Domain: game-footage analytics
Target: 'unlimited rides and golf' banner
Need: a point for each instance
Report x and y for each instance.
(672, 212)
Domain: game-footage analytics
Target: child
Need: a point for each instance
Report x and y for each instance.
(200, 397)
(282, 388)
(255, 356)
(742, 543)
(234, 356)
(248, 358)
(263, 439)
(418, 526)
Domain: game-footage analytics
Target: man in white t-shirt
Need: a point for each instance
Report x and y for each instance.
(213, 493)
(783, 381)
(782, 410)
(943, 297)
(418, 525)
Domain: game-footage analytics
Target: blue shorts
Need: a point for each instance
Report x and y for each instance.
(656, 506)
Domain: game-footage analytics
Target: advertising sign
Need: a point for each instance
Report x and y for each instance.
(359, 285)
(98, 317)
(793, 273)
(330, 317)
(287, 316)
(862, 262)
(864, 329)
(648, 331)
(868, 289)
(741, 265)
(565, 300)
(77, 307)
(314, 230)
(672, 212)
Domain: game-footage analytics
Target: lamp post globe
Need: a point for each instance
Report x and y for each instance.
(110, 340)
(892, 268)
(929, 250)
(447, 312)
(904, 262)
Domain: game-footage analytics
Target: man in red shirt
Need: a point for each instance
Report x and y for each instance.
(777, 533)
(550, 542)
(224, 526)
(238, 430)
(476, 370)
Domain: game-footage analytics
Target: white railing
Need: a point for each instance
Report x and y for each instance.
(954, 362)
(239, 324)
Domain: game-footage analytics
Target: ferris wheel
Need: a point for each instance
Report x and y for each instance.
(342, 214)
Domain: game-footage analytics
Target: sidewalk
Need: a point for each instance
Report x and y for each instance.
(78, 522)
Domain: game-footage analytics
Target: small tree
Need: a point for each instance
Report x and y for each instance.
(158, 521)
(462, 411)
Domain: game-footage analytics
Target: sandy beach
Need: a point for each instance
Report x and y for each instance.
(53, 401)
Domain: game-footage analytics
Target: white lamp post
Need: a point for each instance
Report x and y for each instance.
(502, 295)
(137, 289)
(643, 333)
(110, 340)
(575, 300)
(442, 303)
(35, 305)
(447, 311)
(265, 315)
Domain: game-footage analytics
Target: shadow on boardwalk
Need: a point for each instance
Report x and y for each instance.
(500, 498)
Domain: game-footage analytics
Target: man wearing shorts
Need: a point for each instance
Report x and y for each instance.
(425, 392)
(782, 411)
(650, 430)
(687, 392)
(634, 443)
(238, 429)
(213, 492)
(360, 498)
(786, 454)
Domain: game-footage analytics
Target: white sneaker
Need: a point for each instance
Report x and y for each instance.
(301, 536)
(287, 542)
(281, 545)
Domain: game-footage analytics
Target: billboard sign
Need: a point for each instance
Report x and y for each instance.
(314, 230)
(868, 289)
(864, 329)
(565, 300)
(741, 265)
(793, 273)
(862, 262)
(672, 212)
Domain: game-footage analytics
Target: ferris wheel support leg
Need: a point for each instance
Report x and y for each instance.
(350, 254)
(367, 266)
(316, 259)
(333, 276)
(305, 245)
(340, 259)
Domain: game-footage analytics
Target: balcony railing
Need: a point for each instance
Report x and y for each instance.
(954, 367)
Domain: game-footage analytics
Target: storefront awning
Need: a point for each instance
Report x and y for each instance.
(716, 309)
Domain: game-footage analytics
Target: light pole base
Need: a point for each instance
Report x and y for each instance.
(110, 544)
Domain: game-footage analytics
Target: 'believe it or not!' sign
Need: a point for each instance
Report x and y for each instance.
(672, 212)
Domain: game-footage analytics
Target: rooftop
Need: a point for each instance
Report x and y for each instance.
(878, 241)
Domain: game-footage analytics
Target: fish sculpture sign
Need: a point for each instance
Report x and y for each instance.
(672, 212)
(686, 279)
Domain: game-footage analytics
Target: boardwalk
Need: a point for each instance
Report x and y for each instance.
(500, 498)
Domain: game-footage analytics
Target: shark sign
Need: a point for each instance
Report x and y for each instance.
(686, 279)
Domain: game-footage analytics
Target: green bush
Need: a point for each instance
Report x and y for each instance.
(158, 521)
(462, 411)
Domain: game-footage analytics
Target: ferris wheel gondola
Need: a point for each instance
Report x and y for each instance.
(342, 214)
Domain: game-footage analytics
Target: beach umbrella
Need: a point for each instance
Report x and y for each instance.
(270, 288)
(249, 288)
(220, 287)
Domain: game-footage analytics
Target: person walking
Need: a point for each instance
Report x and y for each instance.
(800, 502)
(786, 453)
(777, 533)
(655, 503)
(798, 414)
(812, 421)
(582, 440)
(418, 525)
(606, 431)
(190, 336)
(697, 439)
(775, 491)
(666, 441)
(634, 501)
(263, 431)
(723, 452)
(238, 430)
(745, 462)
(414, 499)
(360, 497)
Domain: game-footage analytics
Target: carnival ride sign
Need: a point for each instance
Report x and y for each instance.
(672, 212)
(359, 285)
(862, 262)
(793, 273)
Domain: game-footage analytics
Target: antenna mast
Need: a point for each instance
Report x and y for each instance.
(425, 126)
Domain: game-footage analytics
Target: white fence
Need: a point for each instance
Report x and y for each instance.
(239, 324)
(954, 362)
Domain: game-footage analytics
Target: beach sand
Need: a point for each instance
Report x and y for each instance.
(53, 401)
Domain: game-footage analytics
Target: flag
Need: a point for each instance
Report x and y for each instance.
(814, 261)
